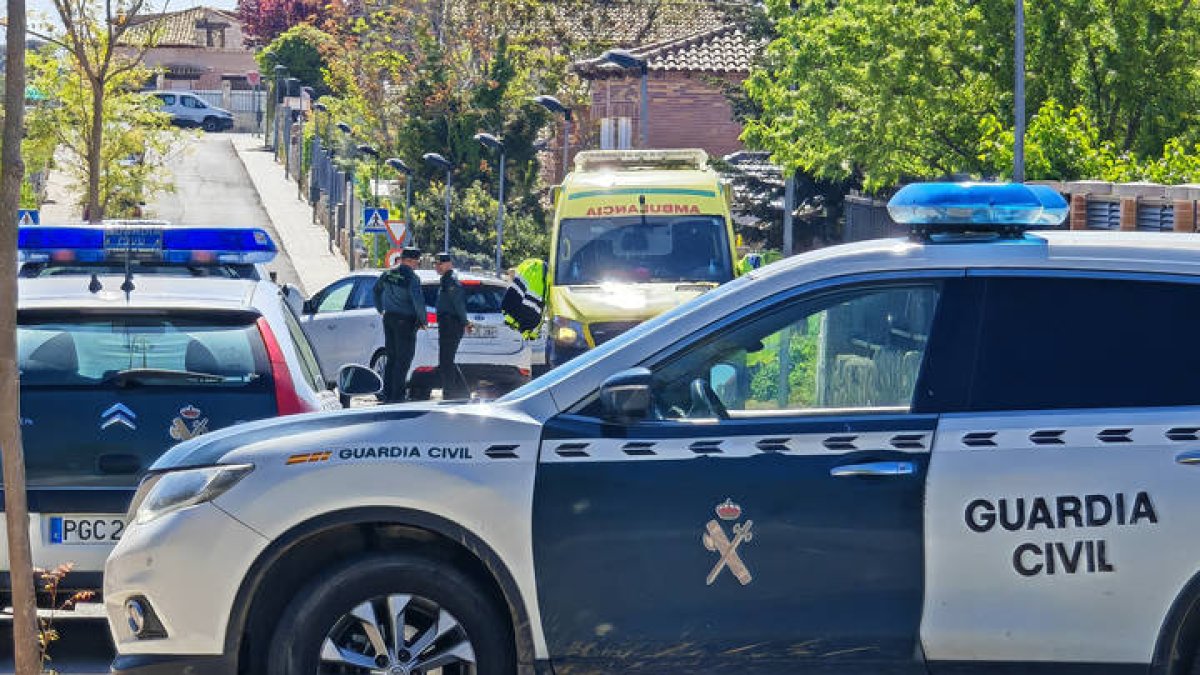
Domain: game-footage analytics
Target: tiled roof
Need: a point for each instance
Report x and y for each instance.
(726, 49)
(626, 23)
(174, 29)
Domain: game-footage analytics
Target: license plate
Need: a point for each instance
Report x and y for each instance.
(484, 332)
(89, 529)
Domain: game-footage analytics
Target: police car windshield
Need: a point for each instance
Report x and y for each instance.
(642, 249)
(115, 352)
(220, 271)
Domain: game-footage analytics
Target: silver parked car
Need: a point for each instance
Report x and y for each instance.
(189, 110)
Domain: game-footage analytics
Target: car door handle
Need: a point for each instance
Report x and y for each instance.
(1188, 457)
(873, 469)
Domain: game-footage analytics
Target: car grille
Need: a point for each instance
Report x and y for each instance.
(603, 331)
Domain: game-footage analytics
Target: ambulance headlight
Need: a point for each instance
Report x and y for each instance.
(177, 490)
(568, 333)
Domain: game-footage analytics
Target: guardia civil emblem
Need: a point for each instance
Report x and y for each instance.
(717, 540)
(190, 424)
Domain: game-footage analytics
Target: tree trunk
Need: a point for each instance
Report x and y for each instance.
(16, 514)
(94, 211)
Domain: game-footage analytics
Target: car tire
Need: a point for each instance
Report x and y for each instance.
(211, 124)
(326, 619)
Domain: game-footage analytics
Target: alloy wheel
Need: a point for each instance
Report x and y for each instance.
(397, 634)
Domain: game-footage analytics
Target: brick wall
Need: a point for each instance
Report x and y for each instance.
(687, 110)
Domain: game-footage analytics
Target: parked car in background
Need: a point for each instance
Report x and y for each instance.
(343, 325)
(189, 110)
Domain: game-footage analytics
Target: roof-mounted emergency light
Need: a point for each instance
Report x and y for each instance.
(1004, 209)
(600, 160)
(117, 241)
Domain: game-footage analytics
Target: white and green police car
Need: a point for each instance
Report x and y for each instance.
(972, 451)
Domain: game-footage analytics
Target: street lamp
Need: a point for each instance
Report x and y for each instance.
(492, 142)
(399, 166)
(556, 107)
(623, 58)
(374, 154)
(436, 161)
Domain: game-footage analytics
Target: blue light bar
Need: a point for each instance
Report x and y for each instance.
(968, 206)
(146, 241)
(1054, 207)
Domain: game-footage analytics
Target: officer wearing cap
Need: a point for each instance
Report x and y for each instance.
(398, 297)
(452, 322)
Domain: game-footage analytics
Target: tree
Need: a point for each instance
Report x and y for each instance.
(16, 512)
(266, 20)
(304, 50)
(136, 134)
(104, 52)
(887, 90)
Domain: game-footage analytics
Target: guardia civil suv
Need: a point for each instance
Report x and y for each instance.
(976, 450)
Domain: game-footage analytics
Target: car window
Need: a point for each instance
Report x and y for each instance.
(335, 296)
(105, 351)
(859, 350)
(483, 298)
(167, 99)
(363, 296)
(309, 364)
(1051, 343)
(192, 102)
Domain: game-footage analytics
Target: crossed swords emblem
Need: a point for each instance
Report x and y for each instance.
(716, 540)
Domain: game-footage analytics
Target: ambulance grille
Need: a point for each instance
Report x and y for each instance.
(603, 331)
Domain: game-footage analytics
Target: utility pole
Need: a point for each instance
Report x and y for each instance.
(1019, 98)
(26, 656)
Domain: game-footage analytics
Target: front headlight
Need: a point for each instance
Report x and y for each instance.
(176, 490)
(568, 333)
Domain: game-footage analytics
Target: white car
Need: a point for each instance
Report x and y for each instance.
(970, 451)
(341, 322)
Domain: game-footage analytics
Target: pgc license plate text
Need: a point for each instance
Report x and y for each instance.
(86, 529)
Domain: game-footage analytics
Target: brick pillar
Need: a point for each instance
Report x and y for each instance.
(1128, 214)
(1185, 215)
(1078, 217)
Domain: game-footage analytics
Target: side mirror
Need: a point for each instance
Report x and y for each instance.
(356, 380)
(555, 193)
(625, 396)
(308, 307)
(293, 297)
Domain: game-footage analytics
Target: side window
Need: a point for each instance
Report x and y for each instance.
(308, 358)
(1052, 343)
(364, 294)
(167, 99)
(192, 102)
(334, 297)
(860, 349)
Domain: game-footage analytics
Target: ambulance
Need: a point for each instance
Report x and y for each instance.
(636, 232)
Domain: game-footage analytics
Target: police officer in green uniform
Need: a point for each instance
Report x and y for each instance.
(452, 323)
(398, 297)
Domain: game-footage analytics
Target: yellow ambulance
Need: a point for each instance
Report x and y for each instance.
(636, 232)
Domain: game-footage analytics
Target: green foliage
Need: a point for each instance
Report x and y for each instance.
(888, 90)
(305, 51)
(136, 134)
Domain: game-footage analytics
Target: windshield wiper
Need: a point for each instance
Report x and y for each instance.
(142, 375)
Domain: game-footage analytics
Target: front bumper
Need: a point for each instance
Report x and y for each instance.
(187, 566)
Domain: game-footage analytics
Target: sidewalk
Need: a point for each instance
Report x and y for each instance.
(306, 243)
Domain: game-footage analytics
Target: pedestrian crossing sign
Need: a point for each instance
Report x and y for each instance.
(28, 217)
(375, 220)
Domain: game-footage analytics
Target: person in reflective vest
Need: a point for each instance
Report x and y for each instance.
(525, 300)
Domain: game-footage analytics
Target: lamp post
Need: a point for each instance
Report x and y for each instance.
(280, 71)
(400, 167)
(374, 154)
(436, 161)
(492, 142)
(623, 58)
(556, 107)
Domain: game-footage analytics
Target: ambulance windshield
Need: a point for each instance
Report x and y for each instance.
(641, 249)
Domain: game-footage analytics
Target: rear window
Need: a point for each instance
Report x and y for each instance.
(481, 298)
(140, 350)
(220, 271)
